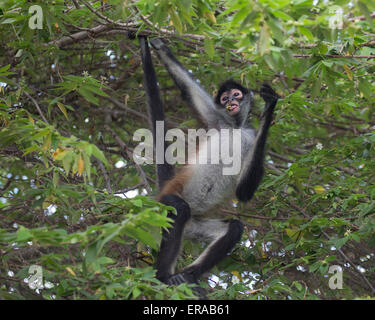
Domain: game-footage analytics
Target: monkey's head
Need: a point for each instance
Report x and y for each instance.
(235, 100)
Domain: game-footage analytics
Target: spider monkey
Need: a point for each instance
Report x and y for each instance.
(197, 190)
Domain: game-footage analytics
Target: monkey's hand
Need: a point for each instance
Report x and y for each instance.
(270, 97)
(162, 50)
(157, 43)
(268, 94)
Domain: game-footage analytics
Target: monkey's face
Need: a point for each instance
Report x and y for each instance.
(231, 101)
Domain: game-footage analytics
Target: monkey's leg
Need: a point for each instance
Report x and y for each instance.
(172, 238)
(225, 235)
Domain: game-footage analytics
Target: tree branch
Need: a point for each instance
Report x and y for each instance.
(335, 56)
(105, 174)
(130, 157)
(364, 278)
(124, 107)
(76, 4)
(36, 105)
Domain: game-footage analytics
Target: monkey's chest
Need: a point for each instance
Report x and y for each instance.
(212, 183)
(208, 188)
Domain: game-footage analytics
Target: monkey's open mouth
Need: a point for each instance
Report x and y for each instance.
(234, 108)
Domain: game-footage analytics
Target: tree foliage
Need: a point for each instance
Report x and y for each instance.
(71, 97)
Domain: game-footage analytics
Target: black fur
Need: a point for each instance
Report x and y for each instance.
(251, 180)
(165, 171)
(228, 85)
(218, 250)
(171, 240)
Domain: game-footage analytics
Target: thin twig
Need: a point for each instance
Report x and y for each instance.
(282, 78)
(361, 18)
(129, 189)
(166, 31)
(37, 106)
(106, 177)
(335, 56)
(252, 215)
(280, 157)
(101, 15)
(76, 4)
(364, 278)
(124, 107)
(130, 156)
(78, 36)
(274, 169)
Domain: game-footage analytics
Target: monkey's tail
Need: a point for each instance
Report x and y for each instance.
(155, 108)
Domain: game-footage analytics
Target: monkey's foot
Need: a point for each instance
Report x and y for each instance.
(179, 278)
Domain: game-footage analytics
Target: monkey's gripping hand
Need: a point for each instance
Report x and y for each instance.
(161, 48)
(270, 97)
(157, 43)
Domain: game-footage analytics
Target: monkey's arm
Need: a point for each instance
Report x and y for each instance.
(252, 174)
(190, 89)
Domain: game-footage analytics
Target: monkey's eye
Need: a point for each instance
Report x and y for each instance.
(224, 99)
(237, 94)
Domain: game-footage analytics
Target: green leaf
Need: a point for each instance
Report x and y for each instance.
(142, 235)
(136, 292)
(55, 179)
(96, 152)
(186, 4)
(63, 110)
(317, 84)
(239, 16)
(249, 19)
(282, 15)
(8, 21)
(68, 161)
(88, 95)
(176, 21)
(209, 47)
(264, 40)
(365, 11)
(23, 234)
(365, 88)
(298, 285)
(367, 210)
(138, 203)
(31, 149)
(306, 32)
(338, 243)
(271, 62)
